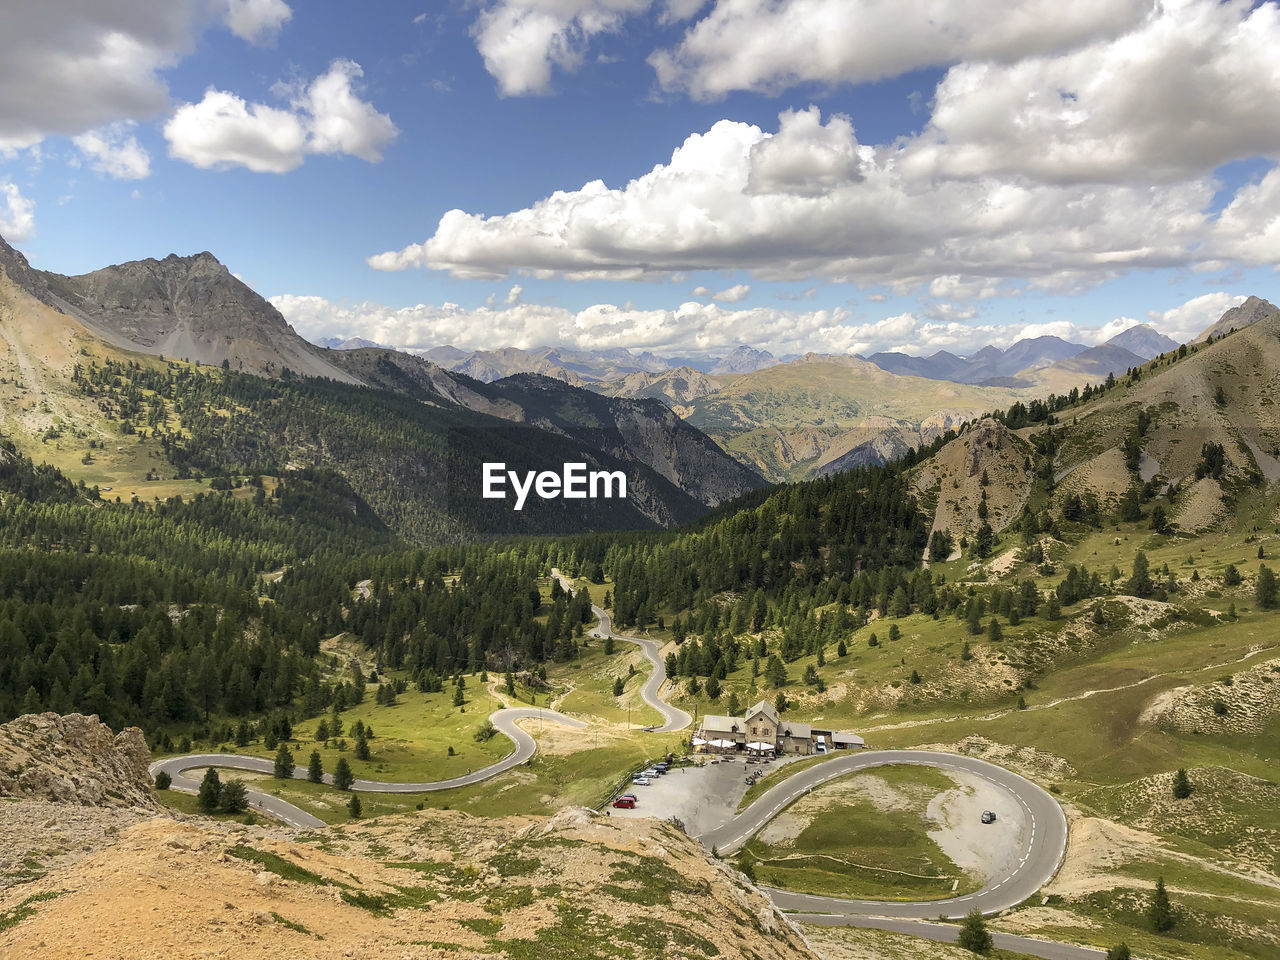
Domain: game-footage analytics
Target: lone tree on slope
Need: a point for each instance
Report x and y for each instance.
(974, 935)
(284, 762)
(342, 776)
(1160, 912)
(210, 791)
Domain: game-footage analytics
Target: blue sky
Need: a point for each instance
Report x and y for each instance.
(861, 175)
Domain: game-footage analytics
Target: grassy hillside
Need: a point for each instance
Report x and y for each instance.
(793, 420)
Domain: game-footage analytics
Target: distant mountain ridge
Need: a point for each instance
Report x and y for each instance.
(409, 436)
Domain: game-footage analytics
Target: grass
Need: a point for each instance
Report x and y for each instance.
(777, 775)
(591, 677)
(411, 738)
(15, 915)
(852, 846)
(274, 863)
(187, 803)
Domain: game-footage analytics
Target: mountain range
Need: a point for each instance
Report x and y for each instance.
(409, 436)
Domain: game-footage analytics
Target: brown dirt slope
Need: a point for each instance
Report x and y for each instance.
(432, 885)
(953, 478)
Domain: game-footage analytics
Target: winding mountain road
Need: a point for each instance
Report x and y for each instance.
(1043, 830)
(1042, 826)
(673, 717)
(504, 721)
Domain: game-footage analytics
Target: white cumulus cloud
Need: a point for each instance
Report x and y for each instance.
(735, 294)
(871, 223)
(769, 45)
(522, 41)
(114, 151)
(1189, 89)
(701, 328)
(325, 116)
(1187, 320)
(17, 215)
(68, 66)
(257, 21)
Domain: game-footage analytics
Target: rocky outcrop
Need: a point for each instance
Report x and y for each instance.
(74, 759)
(190, 308)
(1237, 318)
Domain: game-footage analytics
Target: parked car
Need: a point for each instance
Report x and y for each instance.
(640, 781)
(625, 803)
(988, 816)
(628, 796)
(651, 772)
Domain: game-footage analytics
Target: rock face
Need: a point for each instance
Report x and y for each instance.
(189, 308)
(21, 273)
(74, 759)
(1237, 318)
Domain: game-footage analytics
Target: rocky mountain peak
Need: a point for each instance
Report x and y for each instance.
(20, 272)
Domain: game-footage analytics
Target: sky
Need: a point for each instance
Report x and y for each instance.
(680, 176)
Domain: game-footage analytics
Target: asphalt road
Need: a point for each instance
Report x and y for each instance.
(949, 933)
(673, 717)
(504, 720)
(1045, 829)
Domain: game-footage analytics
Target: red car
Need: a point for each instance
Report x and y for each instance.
(626, 803)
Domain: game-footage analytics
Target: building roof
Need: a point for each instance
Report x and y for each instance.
(844, 736)
(765, 707)
(717, 724)
(800, 731)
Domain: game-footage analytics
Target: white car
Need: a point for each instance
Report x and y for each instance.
(640, 781)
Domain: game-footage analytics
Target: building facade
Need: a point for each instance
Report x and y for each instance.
(762, 731)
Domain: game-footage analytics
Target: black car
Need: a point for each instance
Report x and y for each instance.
(988, 816)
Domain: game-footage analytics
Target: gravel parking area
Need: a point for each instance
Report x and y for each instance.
(702, 796)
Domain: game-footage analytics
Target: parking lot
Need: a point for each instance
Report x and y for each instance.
(703, 796)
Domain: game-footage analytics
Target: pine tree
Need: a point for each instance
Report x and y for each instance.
(353, 807)
(1160, 911)
(1181, 785)
(322, 732)
(342, 776)
(163, 780)
(1119, 952)
(1140, 584)
(31, 702)
(315, 770)
(284, 762)
(841, 649)
(994, 632)
(974, 935)
(362, 745)
(1266, 591)
(734, 704)
(210, 791)
(234, 798)
(618, 686)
